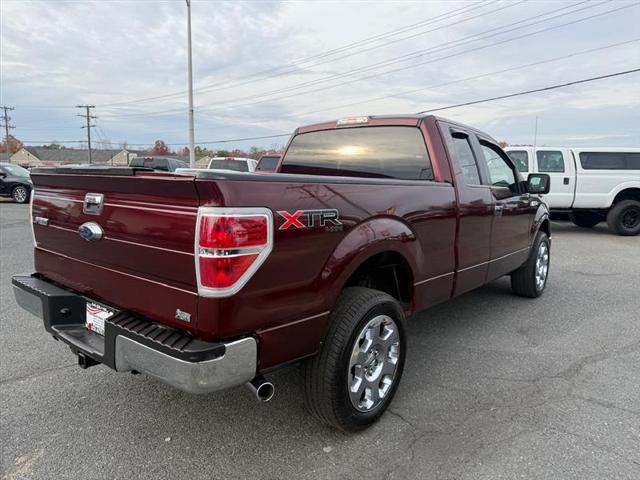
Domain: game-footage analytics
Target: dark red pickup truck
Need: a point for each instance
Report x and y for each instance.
(209, 280)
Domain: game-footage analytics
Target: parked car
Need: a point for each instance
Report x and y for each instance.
(268, 163)
(15, 182)
(212, 280)
(165, 164)
(591, 184)
(233, 164)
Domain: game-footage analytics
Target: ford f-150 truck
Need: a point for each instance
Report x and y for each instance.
(211, 280)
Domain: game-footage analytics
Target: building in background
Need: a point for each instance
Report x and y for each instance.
(37, 156)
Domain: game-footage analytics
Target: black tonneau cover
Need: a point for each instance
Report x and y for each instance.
(90, 170)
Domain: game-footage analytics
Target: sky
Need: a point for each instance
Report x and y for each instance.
(263, 68)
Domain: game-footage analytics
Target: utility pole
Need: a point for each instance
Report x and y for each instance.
(192, 153)
(535, 136)
(7, 126)
(88, 126)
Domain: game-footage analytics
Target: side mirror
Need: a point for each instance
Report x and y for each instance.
(539, 183)
(3, 175)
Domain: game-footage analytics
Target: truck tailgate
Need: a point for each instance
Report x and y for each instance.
(144, 261)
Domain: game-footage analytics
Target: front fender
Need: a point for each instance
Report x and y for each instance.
(373, 236)
(541, 215)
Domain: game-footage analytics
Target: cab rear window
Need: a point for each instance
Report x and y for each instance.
(235, 165)
(378, 152)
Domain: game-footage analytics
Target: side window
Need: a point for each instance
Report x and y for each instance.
(520, 158)
(465, 158)
(610, 160)
(501, 173)
(550, 161)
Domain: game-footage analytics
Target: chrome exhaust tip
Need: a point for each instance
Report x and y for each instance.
(261, 388)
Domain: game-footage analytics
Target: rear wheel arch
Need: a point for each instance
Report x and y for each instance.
(388, 271)
(373, 244)
(631, 193)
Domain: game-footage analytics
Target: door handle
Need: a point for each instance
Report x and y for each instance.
(566, 180)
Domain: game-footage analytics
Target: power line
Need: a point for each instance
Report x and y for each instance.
(296, 63)
(7, 126)
(474, 102)
(456, 23)
(88, 126)
(460, 80)
(420, 53)
(411, 56)
(535, 90)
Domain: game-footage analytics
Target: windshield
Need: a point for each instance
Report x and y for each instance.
(15, 170)
(229, 164)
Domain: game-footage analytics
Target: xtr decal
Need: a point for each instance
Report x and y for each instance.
(309, 219)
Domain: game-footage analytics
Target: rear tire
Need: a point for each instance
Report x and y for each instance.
(624, 218)
(20, 194)
(353, 379)
(585, 219)
(531, 278)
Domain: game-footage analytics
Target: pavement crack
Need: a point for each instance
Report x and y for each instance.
(576, 367)
(605, 404)
(39, 373)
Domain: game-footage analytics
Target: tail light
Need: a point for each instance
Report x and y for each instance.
(231, 244)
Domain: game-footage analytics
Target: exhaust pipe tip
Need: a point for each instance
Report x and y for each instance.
(261, 388)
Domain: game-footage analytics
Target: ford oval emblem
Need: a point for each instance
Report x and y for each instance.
(90, 231)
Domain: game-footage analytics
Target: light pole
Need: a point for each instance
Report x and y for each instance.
(192, 153)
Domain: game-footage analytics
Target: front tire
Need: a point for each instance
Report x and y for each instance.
(353, 379)
(20, 194)
(531, 278)
(585, 219)
(624, 218)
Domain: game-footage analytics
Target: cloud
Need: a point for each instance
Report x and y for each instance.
(62, 53)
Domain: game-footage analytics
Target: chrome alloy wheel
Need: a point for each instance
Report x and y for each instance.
(20, 194)
(542, 265)
(373, 363)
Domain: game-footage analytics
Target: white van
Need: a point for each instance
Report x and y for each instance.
(591, 184)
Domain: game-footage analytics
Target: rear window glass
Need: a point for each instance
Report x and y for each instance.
(550, 161)
(268, 164)
(382, 152)
(521, 159)
(236, 165)
(610, 160)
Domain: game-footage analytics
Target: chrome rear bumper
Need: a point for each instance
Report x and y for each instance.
(235, 367)
(132, 343)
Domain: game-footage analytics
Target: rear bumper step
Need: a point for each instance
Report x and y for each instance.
(133, 343)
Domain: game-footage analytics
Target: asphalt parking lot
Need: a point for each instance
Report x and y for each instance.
(495, 387)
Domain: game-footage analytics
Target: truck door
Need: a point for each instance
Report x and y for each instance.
(475, 210)
(558, 163)
(513, 214)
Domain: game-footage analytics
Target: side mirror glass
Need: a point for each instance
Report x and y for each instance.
(538, 183)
